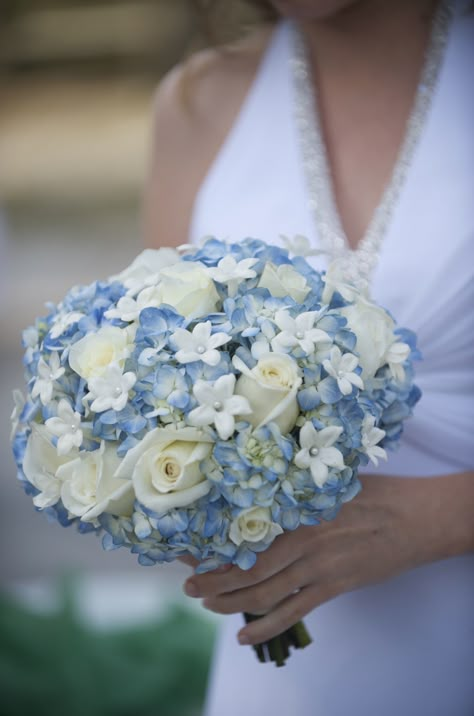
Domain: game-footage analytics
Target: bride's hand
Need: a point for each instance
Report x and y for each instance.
(393, 525)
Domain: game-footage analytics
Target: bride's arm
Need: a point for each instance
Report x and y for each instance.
(394, 525)
(171, 185)
(194, 108)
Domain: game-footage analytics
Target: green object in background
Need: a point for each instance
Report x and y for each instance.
(55, 665)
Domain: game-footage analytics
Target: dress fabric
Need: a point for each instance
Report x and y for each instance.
(407, 646)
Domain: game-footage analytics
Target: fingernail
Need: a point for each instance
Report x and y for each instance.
(190, 589)
(243, 638)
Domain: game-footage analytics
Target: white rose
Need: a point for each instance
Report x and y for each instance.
(88, 485)
(254, 525)
(40, 465)
(373, 328)
(92, 355)
(283, 281)
(270, 387)
(164, 468)
(189, 289)
(149, 262)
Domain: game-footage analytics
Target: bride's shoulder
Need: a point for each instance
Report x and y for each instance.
(212, 82)
(194, 108)
(201, 96)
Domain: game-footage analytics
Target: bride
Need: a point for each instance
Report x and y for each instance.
(349, 122)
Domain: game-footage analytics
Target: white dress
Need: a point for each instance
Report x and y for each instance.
(404, 648)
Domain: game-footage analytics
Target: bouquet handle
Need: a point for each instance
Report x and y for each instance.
(277, 649)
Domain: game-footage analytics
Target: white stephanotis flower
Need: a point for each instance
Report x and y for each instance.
(129, 308)
(395, 356)
(135, 285)
(335, 279)
(47, 374)
(199, 344)
(19, 400)
(191, 248)
(63, 321)
(298, 331)
(317, 452)
(231, 272)
(254, 524)
(110, 390)
(218, 405)
(66, 427)
(299, 245)
(30, 339)
(340, 366)
(370, 437)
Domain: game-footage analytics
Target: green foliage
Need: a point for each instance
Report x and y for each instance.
(55, 665)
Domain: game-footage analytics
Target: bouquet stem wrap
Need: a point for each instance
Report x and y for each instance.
(277, 649)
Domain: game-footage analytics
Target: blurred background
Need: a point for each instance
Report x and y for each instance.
(79, 626)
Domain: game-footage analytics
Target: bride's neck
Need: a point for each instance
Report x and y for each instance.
(370, 35)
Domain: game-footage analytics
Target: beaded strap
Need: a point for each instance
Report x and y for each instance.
(358, 264)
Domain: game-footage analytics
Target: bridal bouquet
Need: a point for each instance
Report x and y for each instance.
(203, 403)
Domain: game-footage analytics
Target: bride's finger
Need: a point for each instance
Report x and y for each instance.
(286, 549)
(190, 561)
(286, 614)
(262, 597)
